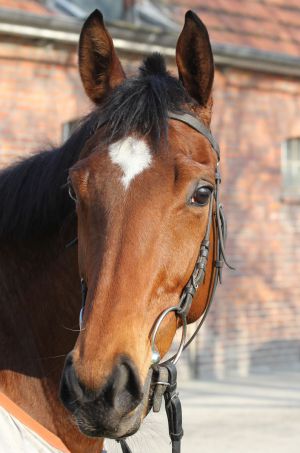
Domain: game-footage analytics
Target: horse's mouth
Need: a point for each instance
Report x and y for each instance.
(98, 428)
(95, 420)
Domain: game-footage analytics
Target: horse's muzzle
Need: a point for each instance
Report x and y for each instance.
(115, 410)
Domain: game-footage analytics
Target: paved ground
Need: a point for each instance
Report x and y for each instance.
(255, 415)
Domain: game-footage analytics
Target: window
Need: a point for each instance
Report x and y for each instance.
(291, 168)
(68, 129)
(112, 10)
(140, 12)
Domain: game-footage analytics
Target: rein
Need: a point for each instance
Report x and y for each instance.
(165, 373)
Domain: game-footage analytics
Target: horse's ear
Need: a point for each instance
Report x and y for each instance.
(194, 59)
(100, 68)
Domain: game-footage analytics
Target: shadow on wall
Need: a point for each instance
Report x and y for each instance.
(276, 355)
(217, 359)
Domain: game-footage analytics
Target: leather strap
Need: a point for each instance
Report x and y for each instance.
(173, 408)
(196, 124)
(198, 274)
(161, 384)
(125, 447)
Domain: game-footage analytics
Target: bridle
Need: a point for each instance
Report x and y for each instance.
(164, 375)
(197, 277)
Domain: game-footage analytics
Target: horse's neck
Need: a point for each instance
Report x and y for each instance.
(40, 302)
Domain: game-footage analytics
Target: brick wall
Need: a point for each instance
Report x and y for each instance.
(254, 324)
(40, 90)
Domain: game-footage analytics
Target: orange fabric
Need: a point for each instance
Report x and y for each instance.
(32, 424)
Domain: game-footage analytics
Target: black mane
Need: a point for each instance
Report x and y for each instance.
(33, 193)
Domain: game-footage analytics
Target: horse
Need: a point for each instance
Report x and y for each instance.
(132, 190)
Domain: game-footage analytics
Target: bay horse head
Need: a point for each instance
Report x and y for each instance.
(143, 189)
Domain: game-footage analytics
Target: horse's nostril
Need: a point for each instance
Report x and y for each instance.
(124, 388)
(70, 389)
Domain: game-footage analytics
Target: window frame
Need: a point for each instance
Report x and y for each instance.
(290, 169)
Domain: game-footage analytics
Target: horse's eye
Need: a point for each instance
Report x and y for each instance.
(201, 196)
(71, 191)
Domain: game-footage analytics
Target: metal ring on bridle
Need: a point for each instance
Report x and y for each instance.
(155, 353)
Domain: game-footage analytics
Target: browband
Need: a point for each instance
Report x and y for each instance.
(188, 119)
(196, 124)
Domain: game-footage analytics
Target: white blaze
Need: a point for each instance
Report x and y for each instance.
(132, 155)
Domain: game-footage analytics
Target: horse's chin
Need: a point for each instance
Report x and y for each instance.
(125, 428)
